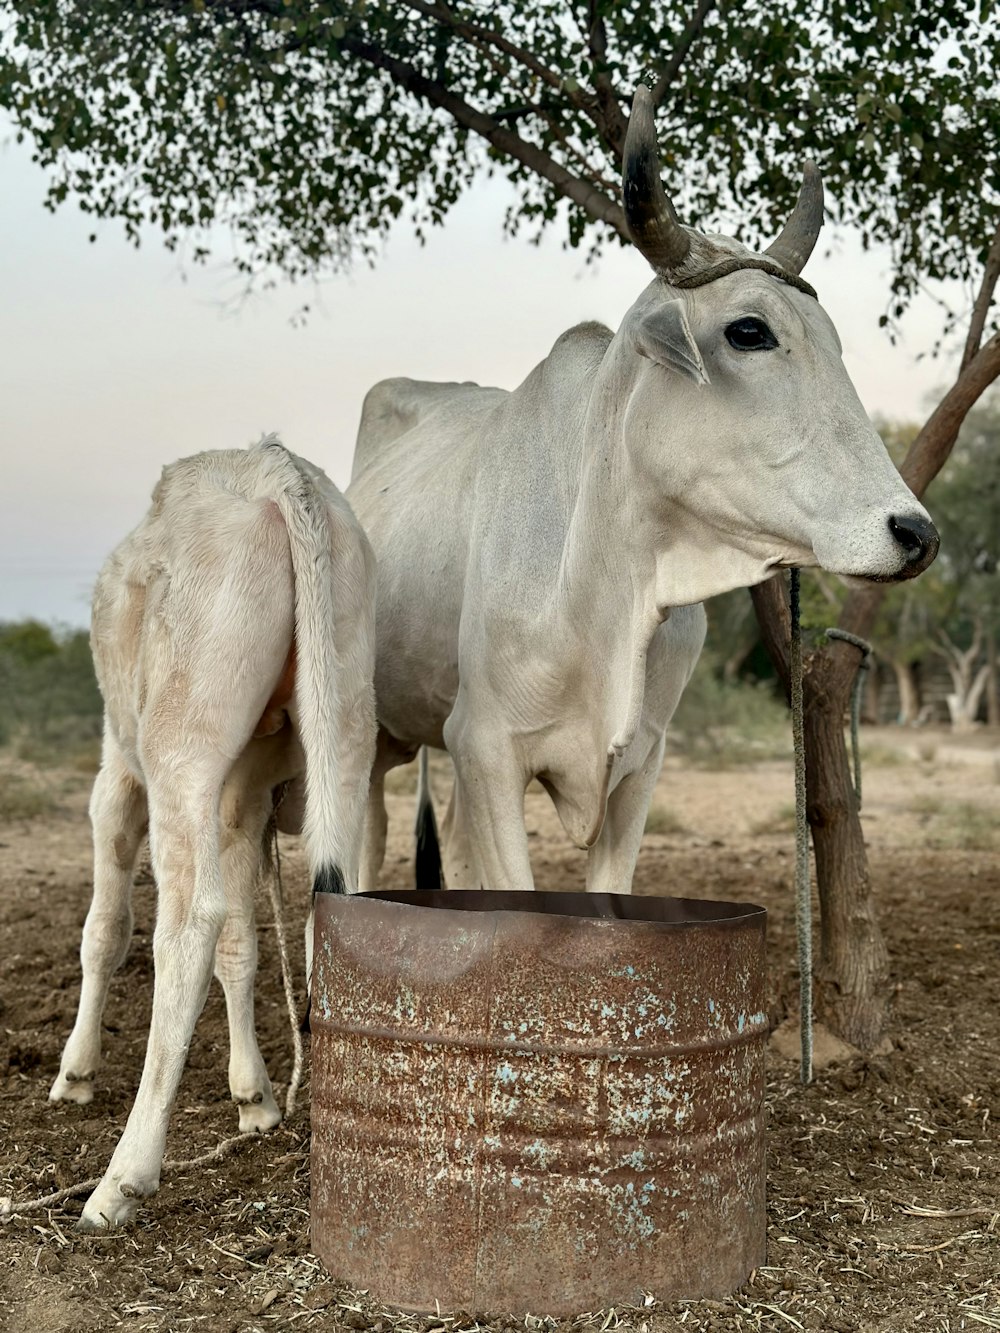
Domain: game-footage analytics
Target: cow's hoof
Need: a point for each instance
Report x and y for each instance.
(70, 1087)
(258, 1115)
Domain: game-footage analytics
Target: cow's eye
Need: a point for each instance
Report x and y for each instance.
(750, 335)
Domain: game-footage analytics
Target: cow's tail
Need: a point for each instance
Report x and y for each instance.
(333, 569)
(428, 867)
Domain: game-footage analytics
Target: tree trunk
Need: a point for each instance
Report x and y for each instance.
(967, 682)
(909, 695)
(992, 681)
(852, 975)
(963, 705)
(853, 972)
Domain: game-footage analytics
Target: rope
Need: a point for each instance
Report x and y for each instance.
(865, 649)
(275, 891)
(10, 1208)
(733, 265)
(803, 888)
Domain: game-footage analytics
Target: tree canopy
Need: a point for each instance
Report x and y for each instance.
(308, 126)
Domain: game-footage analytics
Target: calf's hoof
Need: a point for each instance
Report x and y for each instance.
(70, 1087)
(111, 1206)
(258, 1113)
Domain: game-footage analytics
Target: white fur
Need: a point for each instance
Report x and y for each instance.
(543, 552)
(194, 617)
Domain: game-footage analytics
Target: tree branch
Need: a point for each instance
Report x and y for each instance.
(612, 124)
(592, 200)
(929, 451)
(684, 42)
(984, 299)
(442, 14)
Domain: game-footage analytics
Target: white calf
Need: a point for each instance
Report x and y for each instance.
(233, 636)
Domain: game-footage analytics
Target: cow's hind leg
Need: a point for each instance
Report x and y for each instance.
(376, 827)
(244, 819)
(389, 754)
(118, 817)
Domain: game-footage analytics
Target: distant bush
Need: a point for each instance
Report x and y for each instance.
(958, 824)
(23, 798)
(663, 822)
(50, 706)
(720, 723)
(781, 820)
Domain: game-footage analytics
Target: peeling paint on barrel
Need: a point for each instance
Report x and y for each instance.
(538, 1103)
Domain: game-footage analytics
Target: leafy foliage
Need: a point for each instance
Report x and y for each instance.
(50, 698)
(308, 126)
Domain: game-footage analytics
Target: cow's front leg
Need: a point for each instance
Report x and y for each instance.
(611, 860)
(184, 840)
(244, 819)
(487, 809)
(457, 857)
(118, 818)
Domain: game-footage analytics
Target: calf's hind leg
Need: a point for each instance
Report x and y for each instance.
(184, 839)
(244, 819)
(118, 817)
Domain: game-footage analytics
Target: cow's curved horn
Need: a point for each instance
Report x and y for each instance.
(798, 236)
(650, 214)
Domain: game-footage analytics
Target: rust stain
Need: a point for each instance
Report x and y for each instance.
(538, 1103)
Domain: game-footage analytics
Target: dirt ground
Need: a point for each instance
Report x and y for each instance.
(883, 1176)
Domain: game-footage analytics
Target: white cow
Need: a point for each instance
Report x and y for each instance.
(233, 636)
(542, 553)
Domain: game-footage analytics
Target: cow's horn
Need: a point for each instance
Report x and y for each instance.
(649, 213)
(798, 236)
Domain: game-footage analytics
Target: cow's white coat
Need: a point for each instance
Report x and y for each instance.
(193, 625)
(543, 552)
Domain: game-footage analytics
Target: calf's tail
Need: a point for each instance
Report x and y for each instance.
(333, 570)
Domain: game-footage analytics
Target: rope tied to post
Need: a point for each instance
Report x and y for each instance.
(803, 886)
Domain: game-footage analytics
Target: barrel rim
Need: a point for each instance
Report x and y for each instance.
(663, 911)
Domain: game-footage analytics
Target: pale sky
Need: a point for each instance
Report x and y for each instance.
(112, 364)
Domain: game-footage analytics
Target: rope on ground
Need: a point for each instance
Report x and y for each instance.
(275, 891)
(865, 649)
(11, 1208)
(803, 888)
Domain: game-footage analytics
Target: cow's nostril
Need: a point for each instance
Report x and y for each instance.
(917, 536)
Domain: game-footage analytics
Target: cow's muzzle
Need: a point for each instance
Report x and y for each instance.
(918, 538)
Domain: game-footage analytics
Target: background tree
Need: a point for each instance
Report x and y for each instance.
(966, 502)
(309, 127)
(51, 703)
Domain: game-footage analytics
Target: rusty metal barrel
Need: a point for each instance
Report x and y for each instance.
(537, 1102)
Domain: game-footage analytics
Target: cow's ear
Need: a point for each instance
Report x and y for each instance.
(664, 335)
